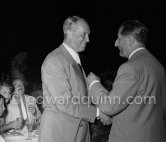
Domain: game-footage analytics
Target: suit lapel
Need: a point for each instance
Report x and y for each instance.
(80, 72)
(82, 75)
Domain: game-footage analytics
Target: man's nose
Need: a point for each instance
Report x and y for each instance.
(116, 43)
(3, 107)
(87, 38)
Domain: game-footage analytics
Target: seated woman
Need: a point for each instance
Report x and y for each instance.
(5, 91)
(1, 112)
(5, 127)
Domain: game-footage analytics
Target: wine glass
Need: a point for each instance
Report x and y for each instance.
(19, 120)
(29, 128)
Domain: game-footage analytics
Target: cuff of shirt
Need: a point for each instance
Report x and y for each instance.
(97, 112)
(93, 82)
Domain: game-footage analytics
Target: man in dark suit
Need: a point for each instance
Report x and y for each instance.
(137, 101)
(67, 109)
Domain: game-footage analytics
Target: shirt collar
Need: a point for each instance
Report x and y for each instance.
(132, 53)
(73, 53)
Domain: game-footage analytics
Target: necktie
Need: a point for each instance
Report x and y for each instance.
(21, 107)
(85, 99)
(17, 98)
(82, 75)
(80, 68)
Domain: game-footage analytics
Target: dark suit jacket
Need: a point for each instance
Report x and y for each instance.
(137, 100)
(65, 117)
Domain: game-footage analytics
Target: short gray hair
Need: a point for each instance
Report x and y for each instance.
(69, 22)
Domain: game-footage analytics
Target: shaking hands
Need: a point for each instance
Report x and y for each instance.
(106, 120)
(92, 77)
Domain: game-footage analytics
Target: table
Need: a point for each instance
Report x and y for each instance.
(19, 139)
(21, 136)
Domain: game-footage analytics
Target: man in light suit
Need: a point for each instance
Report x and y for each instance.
(137, 101)
(67, 109)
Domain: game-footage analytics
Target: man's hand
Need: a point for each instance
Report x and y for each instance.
(32, 109)
(16, 124)
(106, 120)
(92, 77)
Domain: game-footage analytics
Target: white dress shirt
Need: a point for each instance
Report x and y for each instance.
(73, 53)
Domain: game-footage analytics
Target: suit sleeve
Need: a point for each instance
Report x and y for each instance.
(123, 91)
(164, 98)
(58, 85)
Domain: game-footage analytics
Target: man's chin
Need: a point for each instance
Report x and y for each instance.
(81, 49)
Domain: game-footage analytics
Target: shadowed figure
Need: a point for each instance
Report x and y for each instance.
(100, 132)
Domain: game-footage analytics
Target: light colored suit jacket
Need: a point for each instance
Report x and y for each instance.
(137, 100)
(65, 117)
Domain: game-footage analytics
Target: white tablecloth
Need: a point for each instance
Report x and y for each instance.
(21, 136)
(19, 139)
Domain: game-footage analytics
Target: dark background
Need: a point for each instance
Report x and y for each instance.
(32, 29)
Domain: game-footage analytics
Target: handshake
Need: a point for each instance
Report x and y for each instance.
(91, 78)
(105, 119)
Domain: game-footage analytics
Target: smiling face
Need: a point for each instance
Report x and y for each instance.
(5, 92)
(122, 42)
(18, 86)
(79, 36)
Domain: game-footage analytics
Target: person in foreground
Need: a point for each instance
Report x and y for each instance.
(67, 109)
(137, 101)
(22, 107)
(5, 95)
(2, 108)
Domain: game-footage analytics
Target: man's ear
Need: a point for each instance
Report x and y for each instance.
(69, 33)
(131, 40)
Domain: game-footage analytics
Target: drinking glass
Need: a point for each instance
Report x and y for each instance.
(29, 128)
